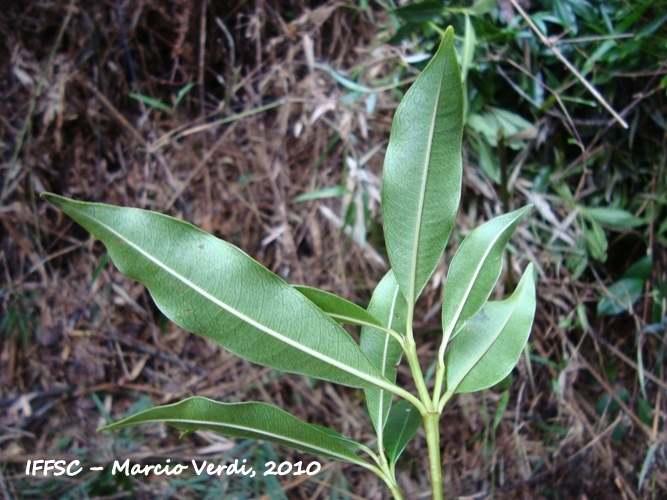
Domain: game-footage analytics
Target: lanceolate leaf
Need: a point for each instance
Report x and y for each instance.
(489, 345)
(422, 171)
(338, 308)
(475, 269)
(210, 287)
(249, 421)
(389, 306)
(404, 421)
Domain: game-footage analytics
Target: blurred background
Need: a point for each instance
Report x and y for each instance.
(265, 123)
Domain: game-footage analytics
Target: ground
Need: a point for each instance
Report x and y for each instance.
(265, 123)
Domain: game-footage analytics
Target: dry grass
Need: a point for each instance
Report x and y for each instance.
(82, 340)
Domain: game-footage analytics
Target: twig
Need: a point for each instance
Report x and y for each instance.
(117, 114)
(569, 65)
(568, 119)
(37, 395)
(177, 134)
(623, 357)
(605, 385)
(202, 163)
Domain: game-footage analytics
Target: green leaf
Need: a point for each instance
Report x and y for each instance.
(595, 240)
(487, 161)
(345, 82)
(500, 411)
(404, 421)
(327, 192)
(245, 420)
(564, 12)
(421, 185)
(182, 93)
(489, 123)
(390, 308)
(626, 291)
(475, 269)
(613, 218)
(481, 7)
(338, 308)
(154, 103)
(349, 443)
(490, 344)
(419, 12)
(468, 51)
(210, 287)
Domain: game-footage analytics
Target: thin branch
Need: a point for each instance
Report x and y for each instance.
(569, 65)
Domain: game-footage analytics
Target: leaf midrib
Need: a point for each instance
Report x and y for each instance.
(268, 435)
(384, 363)
(462, 303)
(420, 209)
(402, 431)
(326, 359)
(491, 344)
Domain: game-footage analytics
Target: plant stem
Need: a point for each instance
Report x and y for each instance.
(390, 478)
(396, 493)
(410, 350)
(432, 429)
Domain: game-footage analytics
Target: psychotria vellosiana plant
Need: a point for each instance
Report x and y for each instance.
(210, 287)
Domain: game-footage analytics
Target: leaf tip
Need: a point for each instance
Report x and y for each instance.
(55, 200)
(50, 197)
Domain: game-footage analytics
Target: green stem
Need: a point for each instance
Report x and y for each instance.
(444, 399)
(390, 478)
(395, 492)
(410, 350)
(432, 429)
(439, 378)
(440, 370)
(400, 392)
(384, 472)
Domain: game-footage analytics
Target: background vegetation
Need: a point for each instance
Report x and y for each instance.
(265, 123)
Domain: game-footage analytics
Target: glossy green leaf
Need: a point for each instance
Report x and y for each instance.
(490, 344)
(338, 308)
(210, 287)
(421, 184)
(475, 269)
(248, 421)
(389, 306)
(404, 421)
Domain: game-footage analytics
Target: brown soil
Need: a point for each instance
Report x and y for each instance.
(82, 344)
